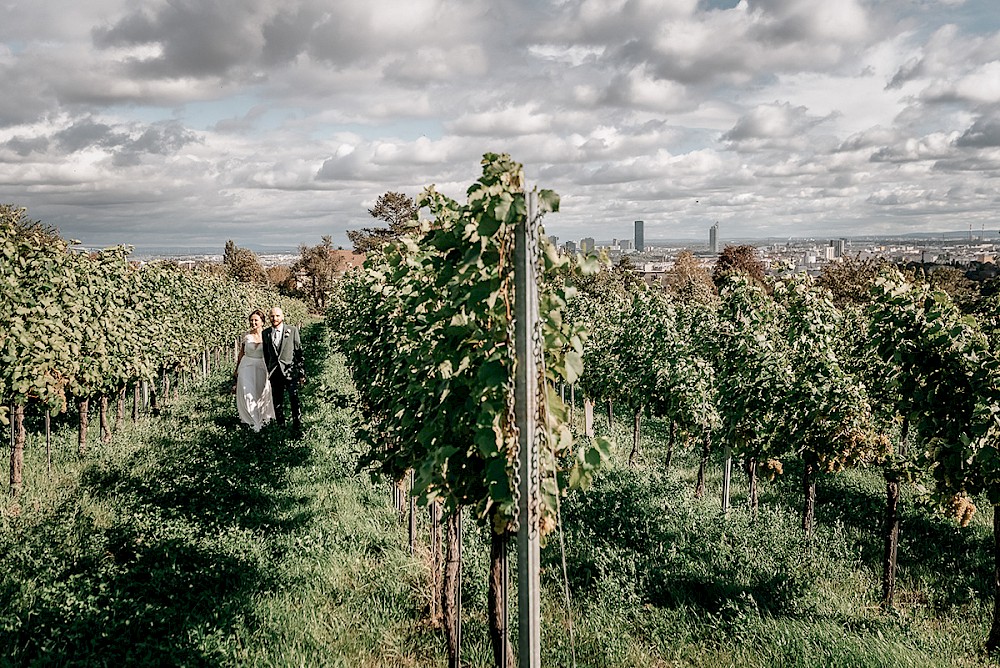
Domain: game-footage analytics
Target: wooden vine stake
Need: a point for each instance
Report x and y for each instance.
(526, 414)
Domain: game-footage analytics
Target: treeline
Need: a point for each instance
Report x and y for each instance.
(85, 327)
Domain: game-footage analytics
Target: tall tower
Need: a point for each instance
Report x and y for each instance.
(640, 244)
(713, 238)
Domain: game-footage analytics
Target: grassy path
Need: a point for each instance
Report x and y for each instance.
(192, 541)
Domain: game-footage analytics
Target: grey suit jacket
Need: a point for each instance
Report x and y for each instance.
(287, 356)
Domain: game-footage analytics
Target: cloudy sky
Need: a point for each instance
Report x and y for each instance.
(274, 122)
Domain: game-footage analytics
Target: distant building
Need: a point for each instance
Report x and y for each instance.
(554, 240)
(839, 247)
(587, 245)
(625, 244)
(640, 243)
(570, 247)
(713, 238)
(829, 253)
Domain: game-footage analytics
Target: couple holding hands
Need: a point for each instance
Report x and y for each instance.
(269, 365)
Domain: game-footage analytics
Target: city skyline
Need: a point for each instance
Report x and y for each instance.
(189, 123)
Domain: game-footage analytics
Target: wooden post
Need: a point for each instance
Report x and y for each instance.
(526, 415)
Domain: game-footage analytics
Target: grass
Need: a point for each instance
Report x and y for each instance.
(190, 541)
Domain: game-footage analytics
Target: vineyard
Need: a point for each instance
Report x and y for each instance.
(734, 470)
(89, 327)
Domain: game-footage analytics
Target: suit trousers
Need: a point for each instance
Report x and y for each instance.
(279, 386)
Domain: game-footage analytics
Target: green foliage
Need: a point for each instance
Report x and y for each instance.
(243, 264)
(320, 269)
(743, 260)
(189, 541)
(86, 324)
(753, 369)
(825, 414)
(944, 367)
(396, 209)
(427, 329)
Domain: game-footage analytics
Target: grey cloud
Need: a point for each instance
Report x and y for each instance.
(969, 164)
(342, 168)
(163, 138)
(912, 69)
(26, 146)
(870, 138)
(984, 133)
(126, 144)
(778, 125)
(85, 134)
(286, 34)
(197, 38)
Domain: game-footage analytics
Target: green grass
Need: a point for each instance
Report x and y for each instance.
(190, 541)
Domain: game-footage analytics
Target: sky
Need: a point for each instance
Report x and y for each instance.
(276, 122)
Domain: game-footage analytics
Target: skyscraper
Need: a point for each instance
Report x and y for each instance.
(640, 244)
(713, 238)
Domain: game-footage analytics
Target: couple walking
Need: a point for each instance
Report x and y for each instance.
(269, 365)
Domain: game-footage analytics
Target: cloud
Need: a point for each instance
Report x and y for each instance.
(772, 126)
(983, 133)
(214, 118)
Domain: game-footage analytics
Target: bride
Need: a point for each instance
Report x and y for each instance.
(253, 389)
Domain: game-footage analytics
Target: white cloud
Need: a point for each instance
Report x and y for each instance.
(217, 117)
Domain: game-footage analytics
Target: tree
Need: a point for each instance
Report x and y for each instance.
(953, 281)
(851, 279)
(689, 281)
(23, 227)
(741, 259)
(243, 264)
(320, 268)
(394, 208)
(282, 278)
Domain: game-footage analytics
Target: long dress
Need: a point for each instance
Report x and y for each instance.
(253, 390)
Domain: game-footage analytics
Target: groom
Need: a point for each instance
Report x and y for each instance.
(285, 367)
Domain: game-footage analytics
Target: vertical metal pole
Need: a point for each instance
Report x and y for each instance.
(572, 407)
(413, 514)
(435, 560)
(727, 475)
(48, 439)
(505, 597)
(458, 593)
(525, 413)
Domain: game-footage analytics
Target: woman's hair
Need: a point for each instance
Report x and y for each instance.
(257, 312)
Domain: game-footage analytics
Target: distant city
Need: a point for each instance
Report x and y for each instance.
(654, 256)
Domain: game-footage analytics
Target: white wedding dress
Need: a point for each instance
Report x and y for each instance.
(253, 390)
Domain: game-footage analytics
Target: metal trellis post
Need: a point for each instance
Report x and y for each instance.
(526, 414)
